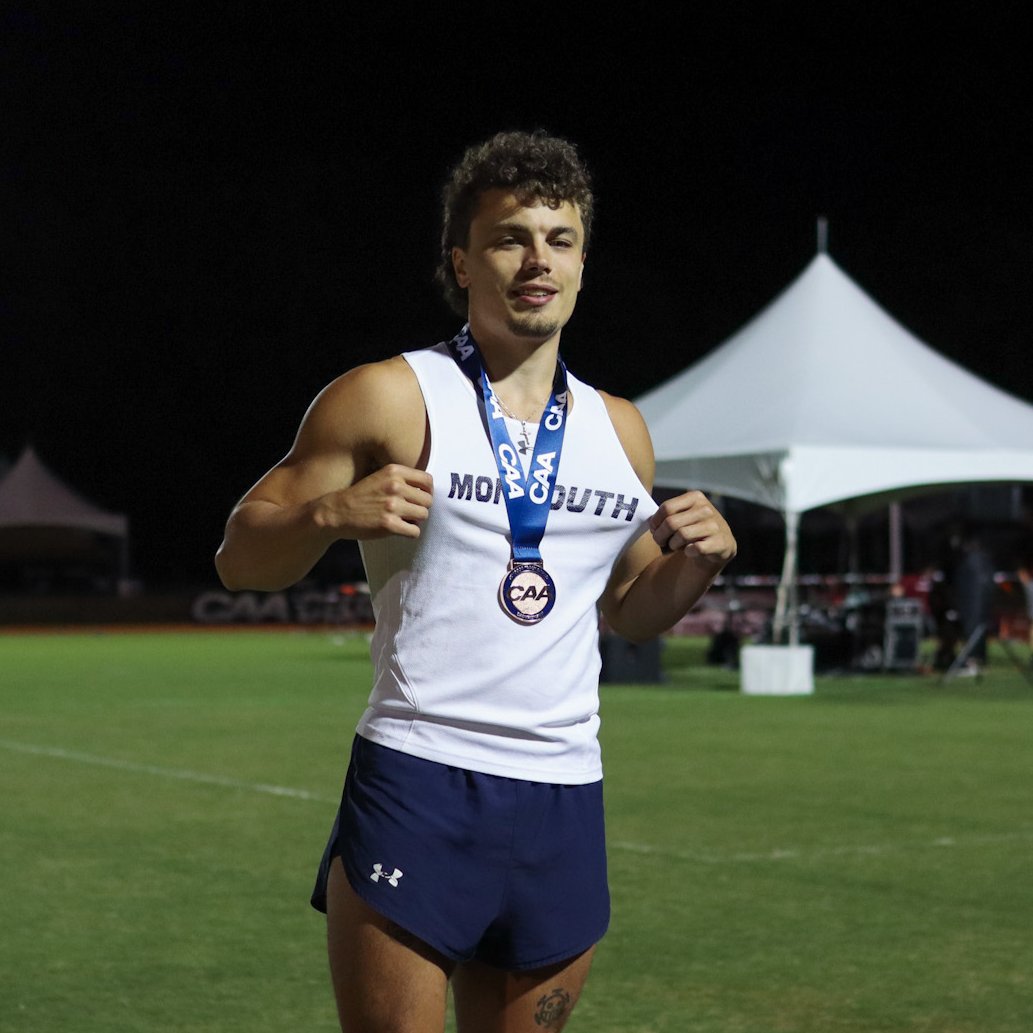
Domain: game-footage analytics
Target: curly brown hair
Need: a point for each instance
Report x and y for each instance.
(536, 165)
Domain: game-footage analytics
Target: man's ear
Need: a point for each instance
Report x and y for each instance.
(459, 267)
(581, 272)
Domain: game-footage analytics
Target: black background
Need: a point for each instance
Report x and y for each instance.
(209, 213)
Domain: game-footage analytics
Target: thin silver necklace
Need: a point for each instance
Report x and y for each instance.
(523, 446)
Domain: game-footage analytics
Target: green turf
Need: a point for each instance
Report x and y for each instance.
(860, 861)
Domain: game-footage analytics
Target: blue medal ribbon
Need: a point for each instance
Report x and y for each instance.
(528, 496)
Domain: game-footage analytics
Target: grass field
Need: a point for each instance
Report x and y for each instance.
(859, 861)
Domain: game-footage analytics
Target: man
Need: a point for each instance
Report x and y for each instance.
(497, 500)
(974, 588)
(1026, 580)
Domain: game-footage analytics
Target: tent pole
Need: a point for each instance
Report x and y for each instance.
(122, 587)
(853, 561)
(896, 544)
(794, 586)
(786, 603)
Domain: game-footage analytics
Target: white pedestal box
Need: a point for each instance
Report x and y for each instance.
(777, 670)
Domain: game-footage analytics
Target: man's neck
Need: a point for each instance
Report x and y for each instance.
(524, 381)
(520, 369)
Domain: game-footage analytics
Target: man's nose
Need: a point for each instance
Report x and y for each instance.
(537, 256)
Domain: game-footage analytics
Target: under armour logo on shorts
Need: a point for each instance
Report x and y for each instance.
(379, 873)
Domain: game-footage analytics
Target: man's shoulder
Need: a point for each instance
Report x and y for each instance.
(381, 381)
(632, 433)
(375, 410)
(623, 413)
(394, 373)
(370, 402)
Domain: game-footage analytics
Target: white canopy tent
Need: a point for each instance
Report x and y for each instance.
(822, 398)
(41, 517)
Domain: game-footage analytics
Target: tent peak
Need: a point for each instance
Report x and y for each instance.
(823, 234)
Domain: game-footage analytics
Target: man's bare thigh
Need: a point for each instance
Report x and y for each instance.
(385, 980)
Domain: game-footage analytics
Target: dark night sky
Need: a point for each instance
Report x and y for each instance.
(207, 214)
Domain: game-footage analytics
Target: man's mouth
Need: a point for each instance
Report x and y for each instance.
(533, 294)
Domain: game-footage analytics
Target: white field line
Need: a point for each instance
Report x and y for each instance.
(645, 849)
(181, 774)
(816, 853)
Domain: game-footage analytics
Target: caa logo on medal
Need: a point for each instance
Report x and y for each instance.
(529, 596)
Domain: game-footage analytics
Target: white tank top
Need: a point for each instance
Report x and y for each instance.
(456, 680)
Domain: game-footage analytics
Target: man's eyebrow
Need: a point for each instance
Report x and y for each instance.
(519, 227)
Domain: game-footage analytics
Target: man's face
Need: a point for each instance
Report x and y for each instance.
(522, 266)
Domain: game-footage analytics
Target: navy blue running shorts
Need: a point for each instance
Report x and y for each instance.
(505, 871)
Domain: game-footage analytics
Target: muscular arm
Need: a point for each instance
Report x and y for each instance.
(351, 473)
(651, 589)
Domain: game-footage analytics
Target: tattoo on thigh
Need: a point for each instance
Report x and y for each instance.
(552, 1008)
